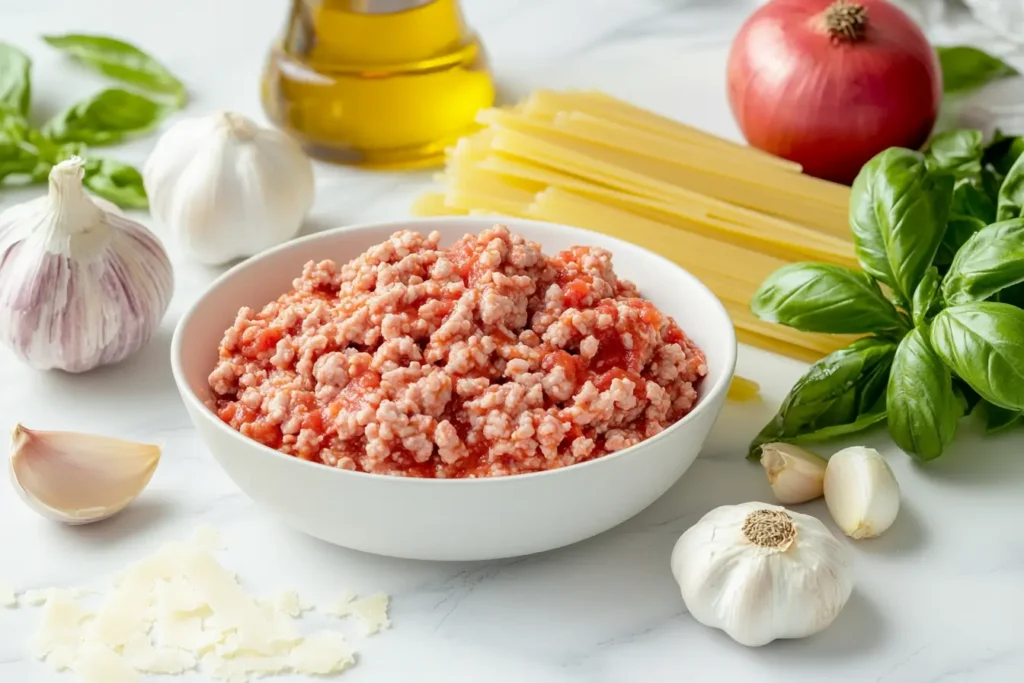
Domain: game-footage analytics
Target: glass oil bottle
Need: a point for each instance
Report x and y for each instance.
(377, 83)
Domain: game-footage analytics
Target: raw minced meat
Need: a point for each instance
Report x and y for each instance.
(486, 358)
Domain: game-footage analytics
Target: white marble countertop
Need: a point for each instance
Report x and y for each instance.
(939, 598)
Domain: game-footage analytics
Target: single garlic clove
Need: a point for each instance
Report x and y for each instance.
(795, 474)
(79, 478)
(861, 492)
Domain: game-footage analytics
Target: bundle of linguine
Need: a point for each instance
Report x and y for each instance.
(728, 213)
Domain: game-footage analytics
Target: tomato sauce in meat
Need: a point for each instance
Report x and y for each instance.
(487, 358)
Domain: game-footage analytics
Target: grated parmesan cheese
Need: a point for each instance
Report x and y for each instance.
(62, 628)
(180, 610)
(321, 654)
(97, 663)
(372, 611)
(288, 602)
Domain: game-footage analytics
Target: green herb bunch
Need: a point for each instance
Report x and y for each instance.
(939, 235)
(111, 116)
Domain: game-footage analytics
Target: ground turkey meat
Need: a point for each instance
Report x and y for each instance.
(484, 359)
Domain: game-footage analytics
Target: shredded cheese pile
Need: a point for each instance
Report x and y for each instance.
(179, 610)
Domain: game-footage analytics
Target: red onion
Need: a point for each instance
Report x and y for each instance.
(829, 84)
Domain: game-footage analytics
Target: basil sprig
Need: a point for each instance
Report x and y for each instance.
(940, 299)
(15, 84)
(967, 68)
(108, 117)
(124, 62)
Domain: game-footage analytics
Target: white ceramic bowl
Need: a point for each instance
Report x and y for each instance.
(472, 519)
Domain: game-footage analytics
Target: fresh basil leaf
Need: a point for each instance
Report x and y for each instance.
(1011, 193)
(116, 181)
(957, 151)
(1002, 153)
(966, 68)
(958, 231)
(840, 394)
(106, 118)
(967, 397)
(820, 297)
(18, 157)
(997, 419)
(15, 79)
(122, 61)
(922, 408)
(971, 198)
(991, 260)
(898, 214)
(981, 343)
(924, 302)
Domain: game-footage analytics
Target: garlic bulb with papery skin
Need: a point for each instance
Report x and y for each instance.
(80, 285)
(79, 478)
(761, 572)
(227, 188)
(795, 474)
(861, 492)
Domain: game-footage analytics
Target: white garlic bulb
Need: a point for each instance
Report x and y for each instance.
(760, 572)
(227, 188)
(795, 474)
(79, 478)
(861, 492)
(81, 285)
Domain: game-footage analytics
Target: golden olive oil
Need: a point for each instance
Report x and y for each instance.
(383, 83)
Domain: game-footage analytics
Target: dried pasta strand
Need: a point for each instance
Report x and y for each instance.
(742, 390)
(547, 102)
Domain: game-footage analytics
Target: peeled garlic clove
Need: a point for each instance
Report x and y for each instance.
(795, 474)
(861, 492)
(79, 478)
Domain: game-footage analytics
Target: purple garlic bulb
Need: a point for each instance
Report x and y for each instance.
(81, 285)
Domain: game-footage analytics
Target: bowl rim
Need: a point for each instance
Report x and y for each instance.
(481, 222)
